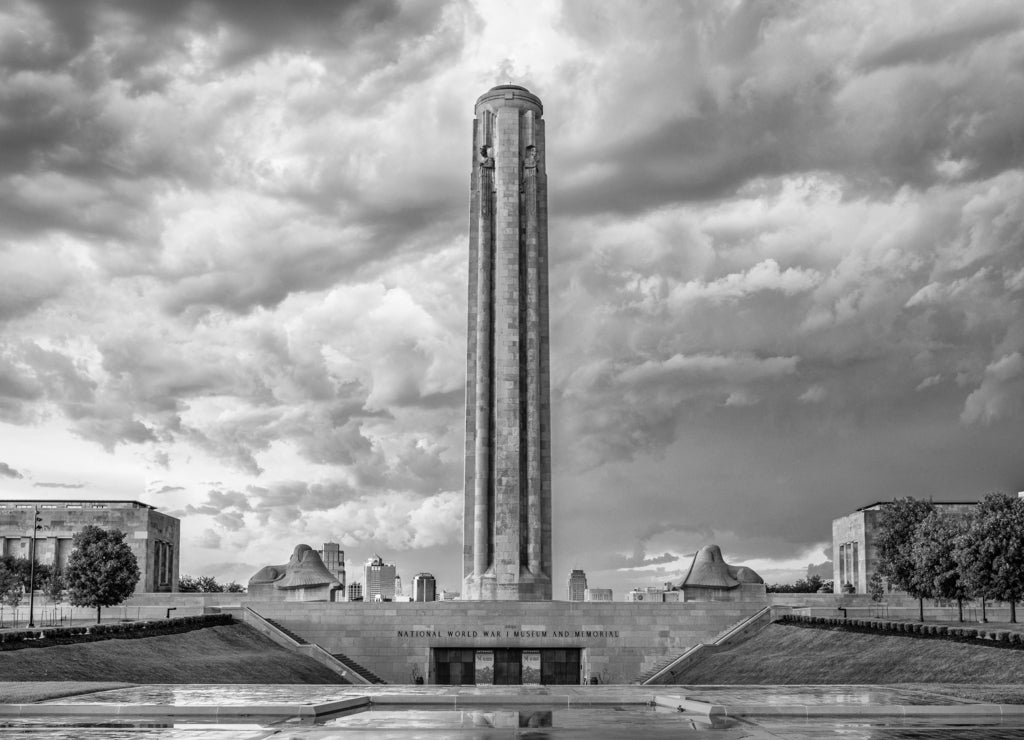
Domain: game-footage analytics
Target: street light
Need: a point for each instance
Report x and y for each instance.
(37, 524)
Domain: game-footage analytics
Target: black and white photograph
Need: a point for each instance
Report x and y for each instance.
(493, 369)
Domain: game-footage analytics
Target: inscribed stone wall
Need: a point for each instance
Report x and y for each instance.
(619, 640)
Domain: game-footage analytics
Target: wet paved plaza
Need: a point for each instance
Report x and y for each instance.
(212, 712)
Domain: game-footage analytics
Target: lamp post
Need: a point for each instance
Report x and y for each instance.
(36, 526)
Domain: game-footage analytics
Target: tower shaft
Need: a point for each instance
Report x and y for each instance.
(507, 536)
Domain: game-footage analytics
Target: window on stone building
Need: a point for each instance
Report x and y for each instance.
(856, 567)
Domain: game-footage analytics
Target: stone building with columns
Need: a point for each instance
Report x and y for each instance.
(153, 537)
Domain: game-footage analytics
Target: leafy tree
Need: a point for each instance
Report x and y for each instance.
(897, 529)
(22, 568)
(10, 589)
(938, 573)
(876, 587)
(102, 569)
(991, 552)
(235, 588)
(53, 587)
(200, 584)
(809, 585)
(209, 585)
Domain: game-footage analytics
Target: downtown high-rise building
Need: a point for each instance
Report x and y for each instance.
(507, 535)
(378, 580)
(424, 587)
(334, 560)
(577, 587)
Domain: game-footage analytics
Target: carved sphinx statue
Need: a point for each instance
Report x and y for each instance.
(304, 578)
(710, 571)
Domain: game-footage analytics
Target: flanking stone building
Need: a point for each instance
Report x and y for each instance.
(154, 538)
(854, 553)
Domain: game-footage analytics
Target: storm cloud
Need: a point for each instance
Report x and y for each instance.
(786, 267)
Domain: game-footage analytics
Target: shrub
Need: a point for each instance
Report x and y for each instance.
(1003, 635)
(941, 629)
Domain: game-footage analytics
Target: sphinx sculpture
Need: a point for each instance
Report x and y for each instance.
(710, 578)
(304, 578)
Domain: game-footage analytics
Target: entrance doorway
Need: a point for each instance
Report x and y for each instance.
(505, 666)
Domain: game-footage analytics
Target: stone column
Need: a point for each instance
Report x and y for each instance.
(482, 516)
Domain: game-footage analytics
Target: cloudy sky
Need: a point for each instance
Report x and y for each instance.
(787, 268)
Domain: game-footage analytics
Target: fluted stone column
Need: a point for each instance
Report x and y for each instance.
(507, 529)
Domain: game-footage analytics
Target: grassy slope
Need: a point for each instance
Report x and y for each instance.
(228, 654)
(787, 654)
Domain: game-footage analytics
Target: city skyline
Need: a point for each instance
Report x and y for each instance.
(786, 269)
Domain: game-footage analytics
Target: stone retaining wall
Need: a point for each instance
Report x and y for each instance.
(619, 640)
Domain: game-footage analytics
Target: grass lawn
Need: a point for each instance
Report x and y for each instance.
(227, 654)
(790, 654)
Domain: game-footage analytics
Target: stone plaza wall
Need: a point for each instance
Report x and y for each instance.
(619, 640)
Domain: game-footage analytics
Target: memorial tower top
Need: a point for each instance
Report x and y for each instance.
(509, 95)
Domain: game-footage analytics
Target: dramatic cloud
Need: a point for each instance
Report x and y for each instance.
(786, 267)
(7, 471)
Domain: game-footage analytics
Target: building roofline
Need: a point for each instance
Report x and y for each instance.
(74, 501)
(937, 503)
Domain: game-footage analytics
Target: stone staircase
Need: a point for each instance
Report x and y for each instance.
(659, 667)
(277, 625)
(361, 670)
(668, 670)
(341, 664)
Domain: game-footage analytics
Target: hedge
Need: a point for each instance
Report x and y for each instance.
(83, 633)
(1002, 637)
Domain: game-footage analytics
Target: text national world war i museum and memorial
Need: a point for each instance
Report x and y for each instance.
(506, 628)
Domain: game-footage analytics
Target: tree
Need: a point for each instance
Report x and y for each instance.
(10, 589)
(235, 588)
(22, 567)
(938, 573)
(876, 587)
(991, 552)
(808, 585)
(102, 569)
(897, 529)
(53, 586)
(200, 584)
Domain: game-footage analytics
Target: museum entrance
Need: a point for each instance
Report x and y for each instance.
(505, 666)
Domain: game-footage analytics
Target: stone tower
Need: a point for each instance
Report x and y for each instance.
(507, 536)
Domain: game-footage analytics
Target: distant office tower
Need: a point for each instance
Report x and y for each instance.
(424, 587)
(378, 580)
(398, 586)
(577, 585)
(334, 560)
(598, 594)
(507, 534)
(355, 591)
